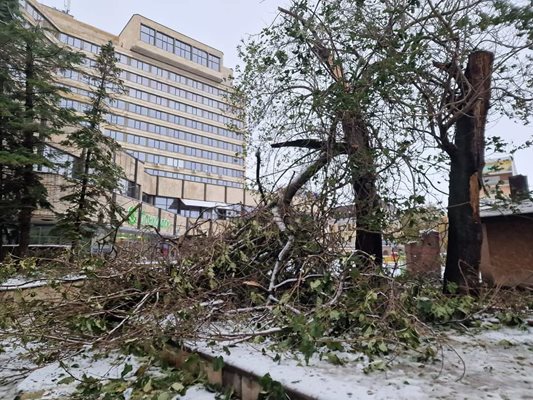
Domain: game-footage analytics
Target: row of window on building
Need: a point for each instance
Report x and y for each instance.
(172, 147)
(64, 165)
(152, 98)
(153, 128)
(175, 133)
(190, 165)
(179, 48)
(153, 158)
(141, 65)
(197, 56)
(171, 76)
(166, 102)
(193, 178)
(34, 13)
(161, 115)
(173, 90)
(175, 119)
(137, 109)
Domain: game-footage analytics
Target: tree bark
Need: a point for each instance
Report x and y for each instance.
(27, 195)
(361, 163)
(467, 162)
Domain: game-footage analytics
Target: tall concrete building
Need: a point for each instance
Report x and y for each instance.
(182, 145)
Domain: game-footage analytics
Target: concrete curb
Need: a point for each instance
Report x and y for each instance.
(243, 383)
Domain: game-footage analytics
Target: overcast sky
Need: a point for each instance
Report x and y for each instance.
(222, 24)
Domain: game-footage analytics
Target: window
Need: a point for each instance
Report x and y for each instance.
(192, 212)
(148, 199)
(164, 42)
(175, 175)
(183, 50)
(63, 162)
(166, 203)
(214, 62)
(129, 188)
(199, 56)
(147, 35)
(122, 58)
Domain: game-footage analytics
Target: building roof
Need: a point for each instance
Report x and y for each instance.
(491, 209)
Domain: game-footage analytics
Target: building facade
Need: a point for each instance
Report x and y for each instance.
(496, 174)
(182, 144)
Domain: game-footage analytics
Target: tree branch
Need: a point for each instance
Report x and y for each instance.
(258, 176)
(303, 143)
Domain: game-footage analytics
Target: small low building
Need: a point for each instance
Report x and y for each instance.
(507, 251)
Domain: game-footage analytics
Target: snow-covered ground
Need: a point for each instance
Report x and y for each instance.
(489, 365)
(19, 283)
(18, 375)
(14, 367)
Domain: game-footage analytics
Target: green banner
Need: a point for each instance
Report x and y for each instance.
(147, 219)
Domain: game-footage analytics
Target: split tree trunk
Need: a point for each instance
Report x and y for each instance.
(467, 162)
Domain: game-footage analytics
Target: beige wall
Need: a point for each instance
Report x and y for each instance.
(215, 193)
(169, 187)
(234, 195)
(251, 198)
(193, 190)
(127, 164)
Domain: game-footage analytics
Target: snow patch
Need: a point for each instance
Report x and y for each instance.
(196, 392)
(87, 363)
(25, 283)
(474, 367)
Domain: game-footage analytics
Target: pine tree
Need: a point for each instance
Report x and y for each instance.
(31, 115)
(9, 111)
(96, 177)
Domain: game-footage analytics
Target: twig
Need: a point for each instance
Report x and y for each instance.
(137, 308)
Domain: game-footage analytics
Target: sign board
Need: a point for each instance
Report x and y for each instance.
(147, 219)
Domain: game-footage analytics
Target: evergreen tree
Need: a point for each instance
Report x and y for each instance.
(31, 114)
(96, 177)
(9, 109)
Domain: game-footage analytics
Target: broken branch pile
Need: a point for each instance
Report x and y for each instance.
(222, 287)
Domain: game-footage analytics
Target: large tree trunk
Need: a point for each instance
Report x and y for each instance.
(81, 204)
(28, 195)
(467, 161)
(27, 204)
(368, 235)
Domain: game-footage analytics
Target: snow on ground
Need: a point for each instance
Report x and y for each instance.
(17, 283)
(196, 392)
(14, 367)
(87, 363)
(19, 375)
(497, 365)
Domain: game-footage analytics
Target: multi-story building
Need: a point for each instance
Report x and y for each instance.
(496, 174)
(182, 145)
